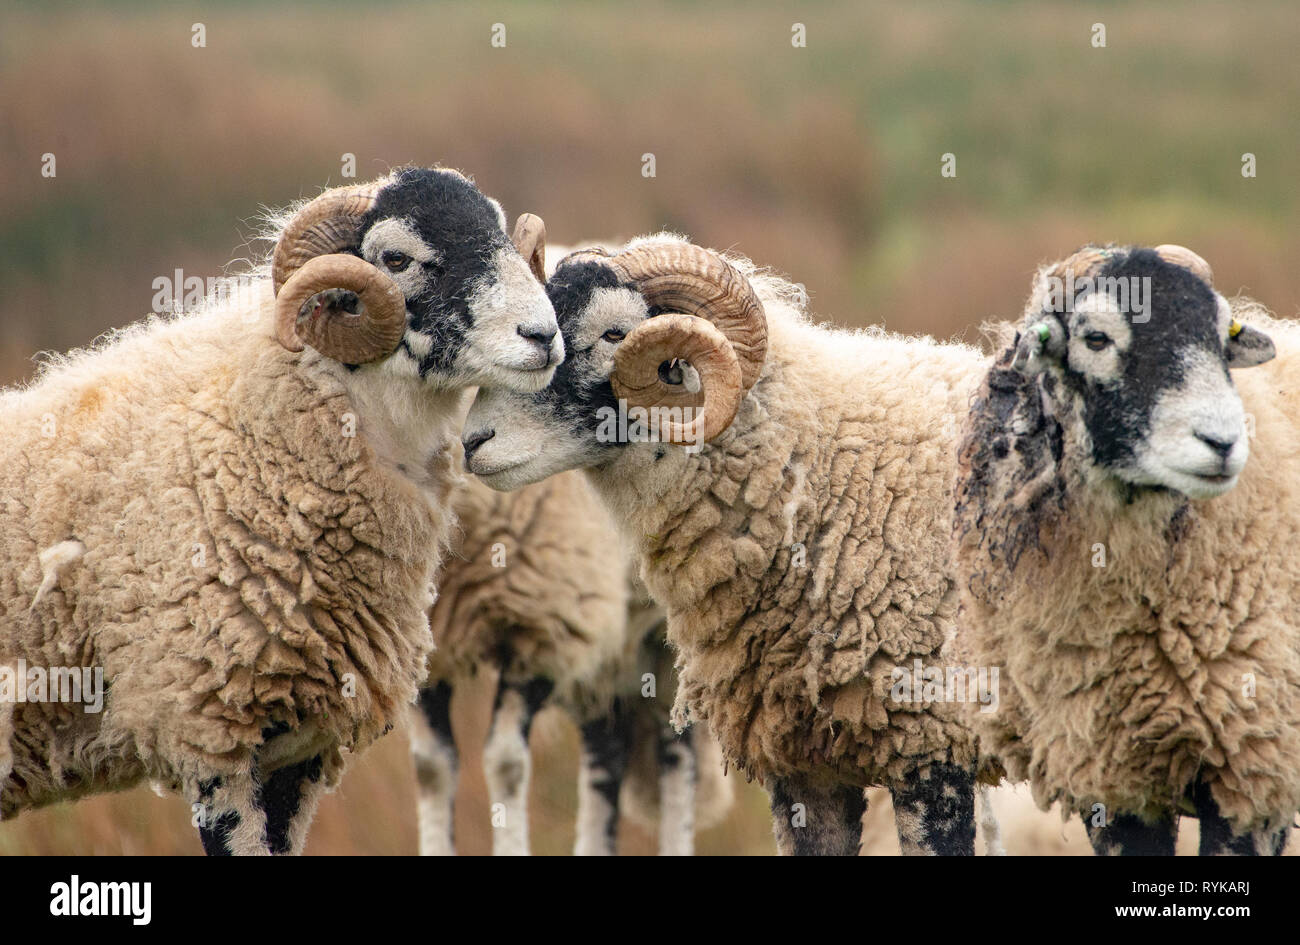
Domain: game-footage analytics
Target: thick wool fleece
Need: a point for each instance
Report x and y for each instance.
(235, 554)
(802, 555)
(1179, 658)
(539, 576)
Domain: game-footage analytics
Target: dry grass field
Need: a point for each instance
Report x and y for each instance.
(822, 162)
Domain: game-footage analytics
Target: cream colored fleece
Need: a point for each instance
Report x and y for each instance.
(540, 574)
(246, 561)
(1180, 656)
(803, 555)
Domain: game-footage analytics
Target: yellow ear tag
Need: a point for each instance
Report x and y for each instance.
(1234, 328)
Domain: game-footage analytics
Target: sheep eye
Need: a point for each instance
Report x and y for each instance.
(395, 261)
(613, 336)
(1096, 340)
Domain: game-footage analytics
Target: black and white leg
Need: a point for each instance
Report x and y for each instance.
(227, 813)
(433, 750)
(288, 798)
(251, 814)
(1217, 838)
(816, 819)
(606, 743)
(678, 775)
(507, 763)
(935, 814)
(1130, 834)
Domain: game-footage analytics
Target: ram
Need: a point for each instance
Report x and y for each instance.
(799, 542)
(535, 588)
(236, 514)
(1126, 566)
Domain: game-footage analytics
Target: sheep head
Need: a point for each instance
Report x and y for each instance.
(417, 267)
(1136, 344)
(665, 338)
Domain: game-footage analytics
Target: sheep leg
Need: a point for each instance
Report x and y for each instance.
(507, 762)
(229, 818)
(434, 752)
(935, 814)
(288, 799)
(1130, 835)
(989, 822)
(6, 743)
(678, 774)
(816, 819)
(1217, 838)
(605, 745)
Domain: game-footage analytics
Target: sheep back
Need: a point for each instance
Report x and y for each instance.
(537, 575)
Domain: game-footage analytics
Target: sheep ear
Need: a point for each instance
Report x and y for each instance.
(1041, 343)
(1248, 346)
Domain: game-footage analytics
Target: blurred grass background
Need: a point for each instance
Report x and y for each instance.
(822, 162)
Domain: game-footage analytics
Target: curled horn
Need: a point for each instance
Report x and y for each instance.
(721, 331)
(638, 381)
(1182, 256)
(310, 258)
(529, 238)
(681, 277)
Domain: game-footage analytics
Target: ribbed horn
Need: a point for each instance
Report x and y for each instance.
(676, 413)
(681, 277)
(312, 257)
(350, 338)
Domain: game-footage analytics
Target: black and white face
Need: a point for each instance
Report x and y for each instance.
(475, 313)
(1145, 361)
(513, 439)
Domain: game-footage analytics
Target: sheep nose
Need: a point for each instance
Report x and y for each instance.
(542, 335)
(475, 440)
(1222, 447)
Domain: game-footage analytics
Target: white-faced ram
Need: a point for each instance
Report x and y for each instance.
(241, 532)
(799, 547)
